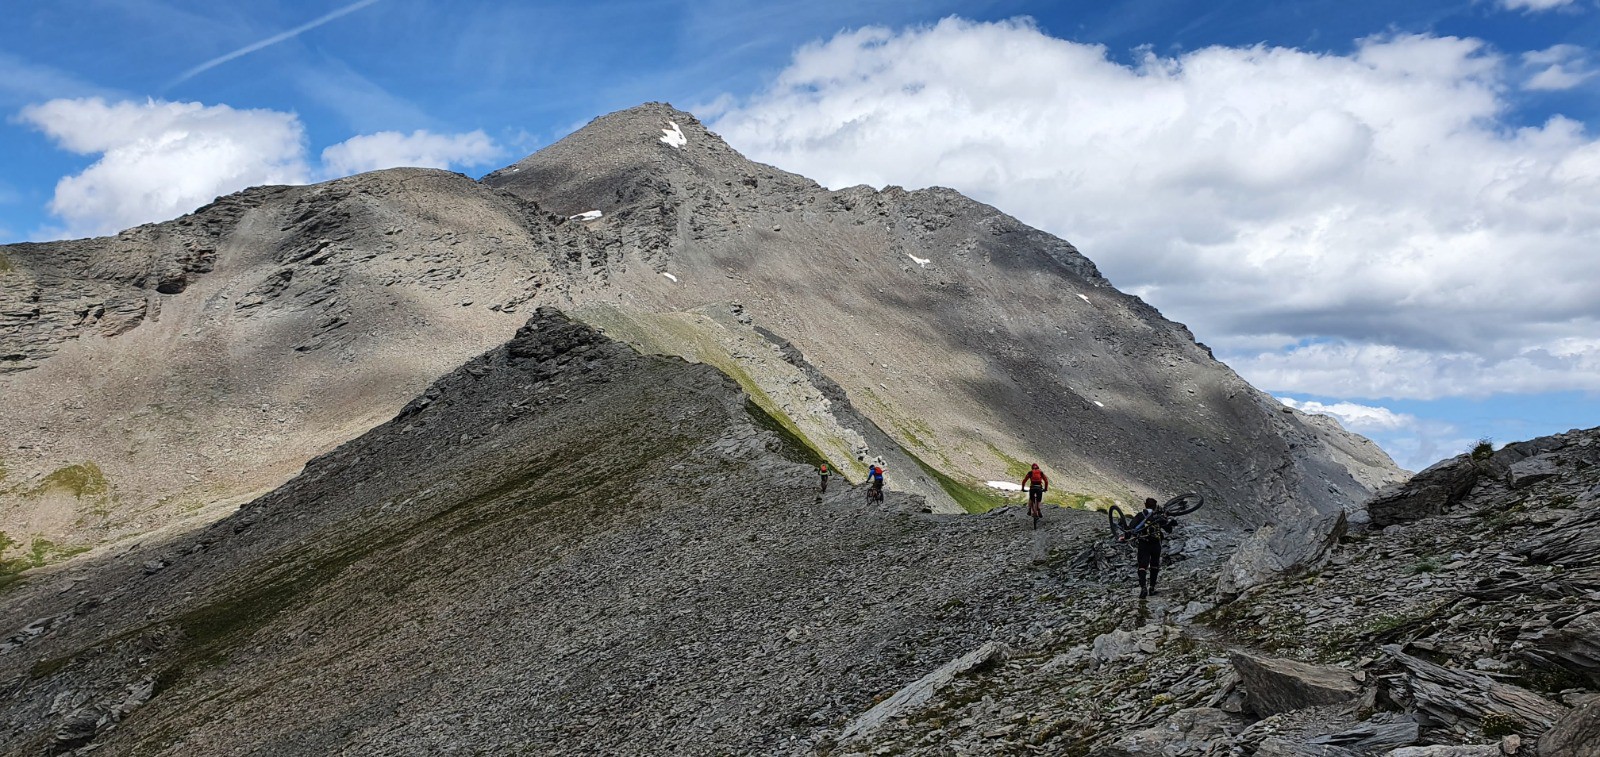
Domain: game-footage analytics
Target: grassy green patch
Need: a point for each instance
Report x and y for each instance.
(5, 264)
(82, 480)
(1015, 469)
(39, 552)
(971, 498)
(44, 551)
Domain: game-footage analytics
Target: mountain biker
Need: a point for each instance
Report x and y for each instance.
(825, 474)
(1035, 483)
(875, 479)
(1148, 529)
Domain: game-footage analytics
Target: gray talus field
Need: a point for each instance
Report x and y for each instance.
(561, 547)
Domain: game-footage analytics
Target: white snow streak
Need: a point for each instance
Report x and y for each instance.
(673, 137)
(1098, 403)
(1085, 299)
(1006, 485)
(668, 275)
(919, 261)
(588, 215)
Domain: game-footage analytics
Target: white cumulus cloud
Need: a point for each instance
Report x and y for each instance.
(158, 160)
(1380, 202)
(421, 149)
(1557, 68)
(1355, 416)
(1534, 6)
(162, 159)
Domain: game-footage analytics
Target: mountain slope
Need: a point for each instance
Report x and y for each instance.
(565, 547)
(920, 328)
(561, 547)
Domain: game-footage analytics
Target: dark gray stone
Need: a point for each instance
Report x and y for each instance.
(1274, 685)
(1430, 492)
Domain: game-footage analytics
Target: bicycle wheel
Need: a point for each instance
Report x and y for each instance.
(1119, 521)
(1183, 504)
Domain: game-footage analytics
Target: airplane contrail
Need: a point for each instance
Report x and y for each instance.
(272, 40)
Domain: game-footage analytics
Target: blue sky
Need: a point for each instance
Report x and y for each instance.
(1384, 209)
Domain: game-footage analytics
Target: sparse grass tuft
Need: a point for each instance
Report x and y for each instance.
(1497, 724)
(1427, 564)
(1484, 449)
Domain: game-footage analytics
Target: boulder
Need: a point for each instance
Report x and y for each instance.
(1533, 470)
(1297, 544)
(1574, 541)
(1430, 492)
(1120, 644)
(1459, 701)
(1275, 685)
(1576, 734)
(1192, 731)
(1373, 736)
(1278, 746)
(917, 694)
(1473, 750)
(1574, 647)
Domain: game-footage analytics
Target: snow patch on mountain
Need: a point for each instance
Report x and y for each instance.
(673, 137)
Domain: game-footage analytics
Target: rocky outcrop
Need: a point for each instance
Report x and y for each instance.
(917, 694)
(1573, 542)
(1275, 685)
(1373, 737)
(1462, 702)
(1295, 545)
(1576, 734)
(1570, 644)
(1429, 492)
(1531, 471)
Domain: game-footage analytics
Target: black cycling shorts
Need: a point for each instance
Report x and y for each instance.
(1149, 553)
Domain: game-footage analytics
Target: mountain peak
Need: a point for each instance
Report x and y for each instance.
(628, 158)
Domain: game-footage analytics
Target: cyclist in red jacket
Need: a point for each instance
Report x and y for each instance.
(1035, 483)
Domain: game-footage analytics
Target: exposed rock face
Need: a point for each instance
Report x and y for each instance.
(1571, 644)
(1297, 543)
(1576, 734)
(917, 694)
(1462, 701)
(1430, 492)
(280, 322)
(1275, 685)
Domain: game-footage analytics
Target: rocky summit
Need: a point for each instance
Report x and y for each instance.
(408, 463)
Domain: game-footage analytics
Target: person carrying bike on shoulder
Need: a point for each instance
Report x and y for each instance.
(875, 482)
(1148, 529)
(1035, 483)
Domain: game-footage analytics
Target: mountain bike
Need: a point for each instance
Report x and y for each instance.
(1183, 504)
(1035, 508)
